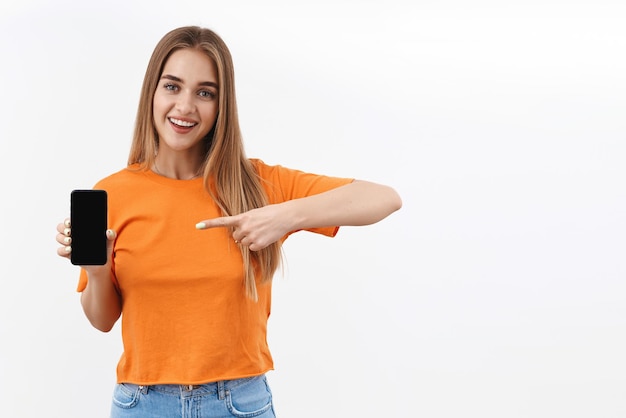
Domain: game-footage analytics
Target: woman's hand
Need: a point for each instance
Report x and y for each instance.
(357, 203)
(256, 228)
(64, 237)
(101, 302)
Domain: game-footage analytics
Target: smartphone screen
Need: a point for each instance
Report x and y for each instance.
(88, 217)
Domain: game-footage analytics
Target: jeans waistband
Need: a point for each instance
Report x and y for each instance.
(218, 388)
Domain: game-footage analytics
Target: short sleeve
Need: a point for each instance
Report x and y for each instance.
(282, 184)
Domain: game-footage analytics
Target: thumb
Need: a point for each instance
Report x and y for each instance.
(111, 235)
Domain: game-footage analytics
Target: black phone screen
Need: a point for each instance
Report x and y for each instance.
(88, 217)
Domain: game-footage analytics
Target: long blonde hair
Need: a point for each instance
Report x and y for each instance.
(229, 176)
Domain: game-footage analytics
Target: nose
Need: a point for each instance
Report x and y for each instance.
(185, 103)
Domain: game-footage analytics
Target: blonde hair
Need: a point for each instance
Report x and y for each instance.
(229, 176)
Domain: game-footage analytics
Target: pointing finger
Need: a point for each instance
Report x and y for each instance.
(224, 221)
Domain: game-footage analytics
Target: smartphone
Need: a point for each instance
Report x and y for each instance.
(88, 217)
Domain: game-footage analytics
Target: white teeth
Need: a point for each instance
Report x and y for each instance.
(182, 123)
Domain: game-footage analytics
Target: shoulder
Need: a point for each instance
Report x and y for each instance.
(258, 164)
(283, 183)
(267, 171)
(124, 179)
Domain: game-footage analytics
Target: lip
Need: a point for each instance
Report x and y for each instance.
(181, 125)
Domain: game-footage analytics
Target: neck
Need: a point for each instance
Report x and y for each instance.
(177, 174)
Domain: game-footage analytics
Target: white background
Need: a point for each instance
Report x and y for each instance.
(497, 291)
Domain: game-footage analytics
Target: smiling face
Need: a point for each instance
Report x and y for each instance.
(185, 102)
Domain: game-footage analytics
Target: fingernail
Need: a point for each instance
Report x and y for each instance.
(67, 223)
(200, 225)
(67, 240)
(67, 231)
(109, 233)
(68, 249)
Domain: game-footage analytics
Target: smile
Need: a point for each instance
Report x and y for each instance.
(182, 123)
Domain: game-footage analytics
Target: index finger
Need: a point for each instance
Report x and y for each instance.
(224, 221)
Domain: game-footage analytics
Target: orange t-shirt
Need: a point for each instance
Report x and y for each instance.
(185, 316)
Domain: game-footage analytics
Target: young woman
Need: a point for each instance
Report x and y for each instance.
(195, 234)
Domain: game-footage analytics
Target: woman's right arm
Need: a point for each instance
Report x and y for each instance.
(100, 300)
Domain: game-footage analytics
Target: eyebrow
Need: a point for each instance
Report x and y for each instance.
(179, 80)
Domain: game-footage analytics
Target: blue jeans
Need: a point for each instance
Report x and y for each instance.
(248, 397)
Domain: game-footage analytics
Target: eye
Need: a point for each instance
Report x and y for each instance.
(170, 87)
(206, 94)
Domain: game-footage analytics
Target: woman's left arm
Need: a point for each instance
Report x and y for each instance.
(354, 204)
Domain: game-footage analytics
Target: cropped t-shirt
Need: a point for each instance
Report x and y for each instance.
(185, 316)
